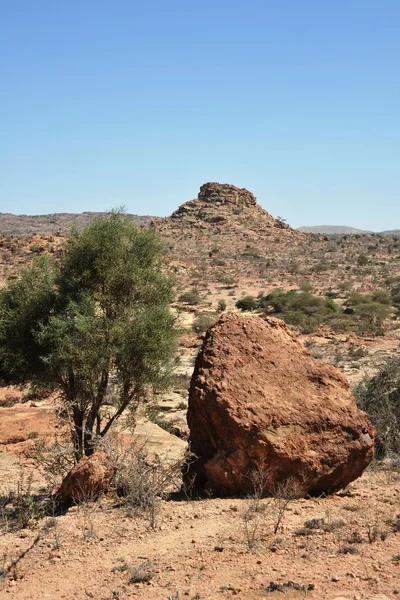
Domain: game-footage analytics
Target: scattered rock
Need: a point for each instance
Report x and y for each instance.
(87, 480)
(258, 399)
(282, 587)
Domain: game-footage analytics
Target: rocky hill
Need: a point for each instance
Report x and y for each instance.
(222, 240)
(224, 228)
(57, 222)
(224, 204)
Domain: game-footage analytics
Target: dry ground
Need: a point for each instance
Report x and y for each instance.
(199, 550)
(203, 549)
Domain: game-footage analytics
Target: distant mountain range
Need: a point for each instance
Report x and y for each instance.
(342, 230)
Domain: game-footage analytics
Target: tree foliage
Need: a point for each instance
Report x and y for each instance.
(96, 326)
(380, 398)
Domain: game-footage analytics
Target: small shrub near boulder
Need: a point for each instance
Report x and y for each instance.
(203, 322)
(248, 303)
(379, 397)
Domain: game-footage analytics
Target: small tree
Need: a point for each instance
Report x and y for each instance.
(380, 398)
(96, 326)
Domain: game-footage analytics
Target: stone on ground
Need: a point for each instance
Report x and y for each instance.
(259, 402)
(88, 479)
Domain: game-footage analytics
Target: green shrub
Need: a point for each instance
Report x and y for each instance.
(203, 322)
(363, 314)
(219, 262)
(369, 311)
(251, 252)
(321, 267)
(221, 306)
(305, 286)
(362, 260)
(299, 308)
(191, 297)
(248, 303)
(379, 397)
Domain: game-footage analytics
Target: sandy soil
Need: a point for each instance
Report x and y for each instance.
(200, 549)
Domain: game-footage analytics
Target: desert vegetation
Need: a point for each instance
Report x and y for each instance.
(99, 331)
(95, 326)
(363, 314)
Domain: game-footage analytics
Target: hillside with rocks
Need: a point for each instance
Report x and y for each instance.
(224, 233)
(251, 388)
(225, 209)
(224, 241)
(54, 223)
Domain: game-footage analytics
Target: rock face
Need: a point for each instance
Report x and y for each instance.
(221, 203)
(87, 480)
(226, 194)
(259, 400)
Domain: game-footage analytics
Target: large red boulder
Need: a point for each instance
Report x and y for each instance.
(90, 478)
(259, 401)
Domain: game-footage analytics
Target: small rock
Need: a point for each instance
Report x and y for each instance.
(87, 480)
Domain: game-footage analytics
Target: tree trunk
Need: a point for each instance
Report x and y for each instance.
(88, 440)
(78, 435)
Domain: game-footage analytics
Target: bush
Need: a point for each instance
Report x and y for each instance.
(379, 397)
(369, 311)
(9, 400)
(321, 267)
(20, 508)
(191, 297)
(363, 314)
(142, 480)
(221, 306)
(203, 322)
(300, 308)
(248, 303)
(251, 252)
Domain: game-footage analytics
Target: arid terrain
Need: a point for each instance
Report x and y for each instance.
(54, 223)
(221, 247)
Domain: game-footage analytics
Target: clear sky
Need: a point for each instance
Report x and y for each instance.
(131, 102)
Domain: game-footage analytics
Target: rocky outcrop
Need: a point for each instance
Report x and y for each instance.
(90, 478)
(259, 400)
(226, 194)
(226, 220)
(223, 203)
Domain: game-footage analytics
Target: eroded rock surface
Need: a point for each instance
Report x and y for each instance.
(259, 401)
(89, 478)
(223, 203)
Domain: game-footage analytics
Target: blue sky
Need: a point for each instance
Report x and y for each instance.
(138, 103)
